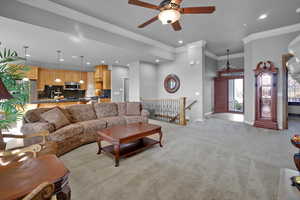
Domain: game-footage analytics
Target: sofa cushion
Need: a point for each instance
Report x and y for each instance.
(112, 121)
(106, 110)
(133, 108)
(90, 128)
(56, 117)
(66, 132)
(34, 115)
(66, 113)
(93, 126)
(121, 108)
(83, 112)
(135, 119)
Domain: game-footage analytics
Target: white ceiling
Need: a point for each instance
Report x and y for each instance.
(17, 34)
(107, 30)
(223, 29)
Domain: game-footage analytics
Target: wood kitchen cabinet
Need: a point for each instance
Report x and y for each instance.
(98, 76)
(106, 80)
(31, 72)
(47, 77)
(102, 79)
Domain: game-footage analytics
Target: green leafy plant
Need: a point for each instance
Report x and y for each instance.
(12, 73)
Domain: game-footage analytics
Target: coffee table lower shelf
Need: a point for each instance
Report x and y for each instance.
(132, 148)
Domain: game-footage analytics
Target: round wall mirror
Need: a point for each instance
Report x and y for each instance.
(172, 83)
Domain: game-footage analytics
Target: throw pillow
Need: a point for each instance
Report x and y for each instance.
(133, 108)
(106, 110)
(56, 117)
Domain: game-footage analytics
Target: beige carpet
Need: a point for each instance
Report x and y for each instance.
(213, 160)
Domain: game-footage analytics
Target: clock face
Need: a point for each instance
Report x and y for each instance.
(266, 95)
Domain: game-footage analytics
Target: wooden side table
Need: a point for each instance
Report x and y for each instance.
(17, 179)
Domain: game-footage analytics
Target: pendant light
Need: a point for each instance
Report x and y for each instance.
(58, 80)
(228, 63)
(25, 56)
(81, 68)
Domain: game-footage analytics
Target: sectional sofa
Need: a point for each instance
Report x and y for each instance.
(76, 125)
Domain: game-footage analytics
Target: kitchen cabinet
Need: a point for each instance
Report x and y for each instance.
(102, 79)
(47, 77)
(106, 80)
(98, 76)
(30, 73)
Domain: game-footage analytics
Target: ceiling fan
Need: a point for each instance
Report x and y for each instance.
(170, 12)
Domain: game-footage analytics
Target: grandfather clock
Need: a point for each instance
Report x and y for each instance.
(266, 95)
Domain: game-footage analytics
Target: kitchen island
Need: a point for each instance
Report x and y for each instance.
(49, 103)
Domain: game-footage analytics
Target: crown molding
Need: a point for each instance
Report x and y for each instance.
(236, 55)
(294, 42)
(93, 21)
(271, 33)
(211, 55)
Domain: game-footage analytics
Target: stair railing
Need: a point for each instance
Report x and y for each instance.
(170, 110)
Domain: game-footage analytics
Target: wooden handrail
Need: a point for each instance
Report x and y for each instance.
(189, 107)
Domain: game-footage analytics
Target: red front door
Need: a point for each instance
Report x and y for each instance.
(221, 95)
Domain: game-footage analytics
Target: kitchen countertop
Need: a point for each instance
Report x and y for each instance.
(39, 101)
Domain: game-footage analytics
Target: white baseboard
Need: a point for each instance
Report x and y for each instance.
(250, 123)
(208, 113)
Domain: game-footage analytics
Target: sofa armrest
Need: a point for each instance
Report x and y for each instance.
(145, 113)
(31, 128)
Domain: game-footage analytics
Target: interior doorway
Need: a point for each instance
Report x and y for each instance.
(229, 91)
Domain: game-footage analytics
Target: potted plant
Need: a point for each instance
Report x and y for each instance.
(14, 92)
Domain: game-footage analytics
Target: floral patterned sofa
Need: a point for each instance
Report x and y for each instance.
(76, 125)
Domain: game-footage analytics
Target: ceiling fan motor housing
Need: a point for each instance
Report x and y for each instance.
(168, 4)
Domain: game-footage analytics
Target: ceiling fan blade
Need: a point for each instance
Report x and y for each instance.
(176, 26)
(198, 10)
(143, 4)
(148, 22)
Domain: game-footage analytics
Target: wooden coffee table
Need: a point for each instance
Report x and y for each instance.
(129, 139)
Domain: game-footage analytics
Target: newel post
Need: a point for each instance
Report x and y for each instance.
(182, 119)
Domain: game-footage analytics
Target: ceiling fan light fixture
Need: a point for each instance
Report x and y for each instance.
(169, 16)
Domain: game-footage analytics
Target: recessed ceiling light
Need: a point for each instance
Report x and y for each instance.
(88, 63)
(75, 39)
(103, 61)
(263, 16)
(27, 55)
(61, 60)
(117, 61)
(128, 65)
(157, 60)
(74, 56)
(298, 10)
(245, 25)
(180, 42)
